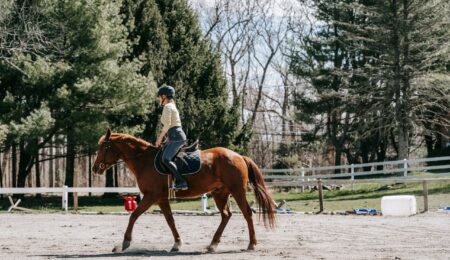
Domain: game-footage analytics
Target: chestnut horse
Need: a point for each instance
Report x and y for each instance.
(223, 173)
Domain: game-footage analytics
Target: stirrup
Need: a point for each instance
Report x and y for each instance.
(184, 187)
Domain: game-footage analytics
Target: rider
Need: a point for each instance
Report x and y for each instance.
(176, 137)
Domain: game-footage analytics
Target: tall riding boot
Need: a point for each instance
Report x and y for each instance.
(180, 182)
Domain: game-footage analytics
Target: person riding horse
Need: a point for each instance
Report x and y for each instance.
(172, 129)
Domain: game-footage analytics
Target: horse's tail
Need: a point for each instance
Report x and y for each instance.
(262, 195)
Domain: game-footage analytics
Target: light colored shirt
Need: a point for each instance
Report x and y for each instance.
(170, 117)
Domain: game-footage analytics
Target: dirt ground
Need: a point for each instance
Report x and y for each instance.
(53, 236)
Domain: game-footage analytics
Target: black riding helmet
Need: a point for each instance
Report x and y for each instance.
(166, 90)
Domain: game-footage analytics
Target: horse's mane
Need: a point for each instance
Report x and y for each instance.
(137, 142)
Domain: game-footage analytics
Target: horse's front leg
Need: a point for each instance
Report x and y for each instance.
(167, 211)
(145, 203)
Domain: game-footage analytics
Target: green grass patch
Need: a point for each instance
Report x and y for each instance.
(362, 196)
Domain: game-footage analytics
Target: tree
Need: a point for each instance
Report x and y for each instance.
(23, 29)
(321, 60)
(387, 60)
(100, 88)
(195, 72)
(408, 68)
(75, 93)
(249, 36)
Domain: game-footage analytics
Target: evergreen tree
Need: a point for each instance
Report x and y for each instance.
(100, 88)
(195, 72)
(78, 92)
(324, 60)
(408, 43)
(166, 37)
(391, 79)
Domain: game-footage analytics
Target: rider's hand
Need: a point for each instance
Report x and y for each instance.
(158, 143)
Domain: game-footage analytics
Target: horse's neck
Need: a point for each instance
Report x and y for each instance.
(132, 152)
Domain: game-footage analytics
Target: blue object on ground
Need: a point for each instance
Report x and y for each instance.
(364, 211)
(447, 208)
(278, 210)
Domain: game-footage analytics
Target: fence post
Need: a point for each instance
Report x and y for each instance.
(405, 167)
(205, 202)
(425, 196)
(65, 196)
(302, 172)
(319, 184)
(352, 172)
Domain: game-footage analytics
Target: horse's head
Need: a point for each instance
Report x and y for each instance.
(106, 154)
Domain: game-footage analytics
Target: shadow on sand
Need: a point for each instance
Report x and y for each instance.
(138, 253)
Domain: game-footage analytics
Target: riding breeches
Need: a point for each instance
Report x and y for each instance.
(176, 139)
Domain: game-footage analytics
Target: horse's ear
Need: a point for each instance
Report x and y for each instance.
(108, 134)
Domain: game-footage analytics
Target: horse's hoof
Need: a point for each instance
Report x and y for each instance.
(251, 247)
(176, 246)
(117, 249)
(212, 248)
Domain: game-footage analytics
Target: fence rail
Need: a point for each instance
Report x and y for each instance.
(66, 190)
(354, 170)
(297, 177)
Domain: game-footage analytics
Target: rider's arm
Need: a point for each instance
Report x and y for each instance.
(166, 118)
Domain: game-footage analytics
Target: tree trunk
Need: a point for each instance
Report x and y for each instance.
(403, 143)
(381, 154)
(26, 161)
(90, 169)
(57, 162)
(284, 123)
(70, 159)
(51, 164)
(1, 175)
(365, 154)
(116, 176)
(3, 166)
(14, 166)
(109, 182)
(38, 173)
(337, 159)
(400, 92)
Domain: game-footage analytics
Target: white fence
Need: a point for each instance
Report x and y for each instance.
(389, 168)
(292, 177)
(66, 190)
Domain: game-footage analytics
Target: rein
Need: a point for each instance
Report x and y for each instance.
(109, 148)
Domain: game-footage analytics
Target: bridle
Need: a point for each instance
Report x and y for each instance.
(103, 165)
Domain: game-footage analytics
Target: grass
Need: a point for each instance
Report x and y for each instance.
(363, 196)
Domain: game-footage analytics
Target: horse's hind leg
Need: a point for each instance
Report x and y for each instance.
(241, 200)
(167, 211)
(221, 199)
(146, 202)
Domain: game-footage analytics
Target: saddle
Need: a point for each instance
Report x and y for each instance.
(187, 160)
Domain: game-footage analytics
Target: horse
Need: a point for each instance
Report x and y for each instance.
(223, 173)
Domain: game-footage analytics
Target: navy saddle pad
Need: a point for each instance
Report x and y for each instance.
(187, 163)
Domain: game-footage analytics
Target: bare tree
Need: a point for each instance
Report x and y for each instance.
(22, 30)
(250, 36)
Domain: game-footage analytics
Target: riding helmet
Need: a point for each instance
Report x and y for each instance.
(166, 90)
